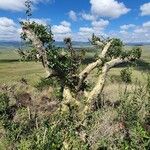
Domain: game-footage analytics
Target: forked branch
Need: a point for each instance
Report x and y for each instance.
(97, 90)
(83, 75)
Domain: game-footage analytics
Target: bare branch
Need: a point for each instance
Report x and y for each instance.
(83, 75)
(98, 43)
(97, 90)
(104, 51)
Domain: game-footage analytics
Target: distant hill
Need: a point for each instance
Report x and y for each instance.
(138, 44)
(59, 44)
(10, 44)
(14, 44)
(74, 43)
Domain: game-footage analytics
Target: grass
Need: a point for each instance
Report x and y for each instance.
(104, 124)
(141, 69)
(12, 70)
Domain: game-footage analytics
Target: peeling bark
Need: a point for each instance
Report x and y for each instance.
(68, 98)
(104, 51)
(40, 49)
(83, 75)
(97, 90)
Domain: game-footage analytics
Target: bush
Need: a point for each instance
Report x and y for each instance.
(136, 52)
(126, 75)
(133, 113)
(4, 103)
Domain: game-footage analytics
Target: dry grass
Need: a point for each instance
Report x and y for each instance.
(104, 128)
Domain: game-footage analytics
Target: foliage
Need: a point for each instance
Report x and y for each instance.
(28, 55)
(126, 75)
(59, 129)
(42, 32)
(133, 112)
(64, 66)
(63, 63)
(4, 102)
(125, 126)
(116, 48)
(136, 52)
(46, 83)
(26, 133)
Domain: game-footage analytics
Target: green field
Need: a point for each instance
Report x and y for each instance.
(12, 70)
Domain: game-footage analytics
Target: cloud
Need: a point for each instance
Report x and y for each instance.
(97, 27)
(84, 33)
(72, 15)
(130, 37)
(127, 26)
(145, 9)
(88, 17)
(6, 22)
(108, 8)
(16, 5)
(123, 32)
(100, 25)
(9, 30)
(145, 28)
(61, 31)
(138, 33)
(60, 37)
(86, 29)
(63, 28)
(146, 25)
(43, 21)
(66, 24)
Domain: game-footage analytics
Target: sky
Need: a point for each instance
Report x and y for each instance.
(78, 19)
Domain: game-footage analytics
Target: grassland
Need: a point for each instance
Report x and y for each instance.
(104, 120)
(12, 70)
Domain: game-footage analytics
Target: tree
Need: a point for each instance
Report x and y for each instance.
(65, 67)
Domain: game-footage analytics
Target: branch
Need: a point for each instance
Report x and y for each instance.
(68, 99)
(98, 43)
(104, 51)
(97, 90)
(40, 48)
(83, 75)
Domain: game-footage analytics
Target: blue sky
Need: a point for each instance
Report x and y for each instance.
(78, 19)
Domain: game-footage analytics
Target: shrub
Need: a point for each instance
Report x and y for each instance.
(133, 113)
(4, 103)
(126, 75)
